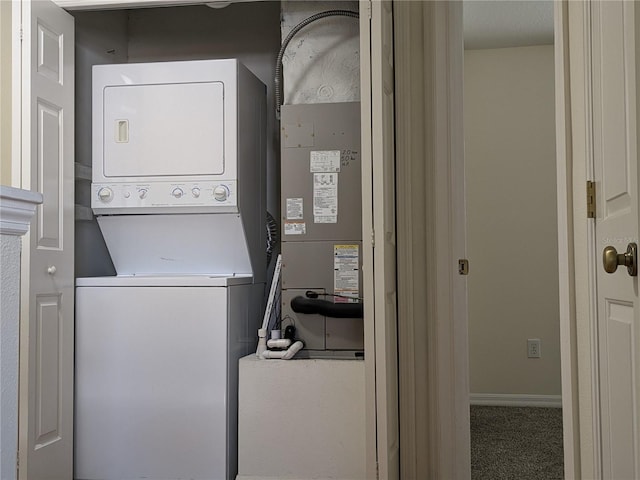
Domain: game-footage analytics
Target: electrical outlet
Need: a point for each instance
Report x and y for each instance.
(533, 348)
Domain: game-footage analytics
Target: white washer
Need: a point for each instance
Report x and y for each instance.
(157, 375)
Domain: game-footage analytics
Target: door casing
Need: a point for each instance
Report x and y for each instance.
(575, 293)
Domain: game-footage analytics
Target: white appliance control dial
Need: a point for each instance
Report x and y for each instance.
(105, 194)
(220, 196)
(221, 193)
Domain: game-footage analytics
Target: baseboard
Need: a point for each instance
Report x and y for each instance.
(515, 400)
(280, 477)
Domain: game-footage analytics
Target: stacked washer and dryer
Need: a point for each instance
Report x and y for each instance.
(179, 193)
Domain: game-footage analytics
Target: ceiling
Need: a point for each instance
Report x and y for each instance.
(507, 23)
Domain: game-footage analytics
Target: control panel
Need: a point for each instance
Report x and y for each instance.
(162, 197)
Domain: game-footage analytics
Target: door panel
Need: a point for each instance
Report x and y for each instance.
(47, 157)
(615, 160)
(620, 386)
(47, 394)
(49, 131)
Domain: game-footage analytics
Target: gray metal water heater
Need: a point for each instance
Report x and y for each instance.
(322, 227)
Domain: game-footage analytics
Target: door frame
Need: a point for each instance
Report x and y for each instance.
(374, 450)
(566, 176)
(577, 242)
(432, 296)
(445, 328)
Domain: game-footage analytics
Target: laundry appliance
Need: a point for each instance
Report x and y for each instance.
(179, 193)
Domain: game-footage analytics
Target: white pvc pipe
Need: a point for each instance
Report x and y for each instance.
(283, 354)
(279, 343)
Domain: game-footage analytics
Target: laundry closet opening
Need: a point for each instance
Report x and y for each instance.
(162, 312)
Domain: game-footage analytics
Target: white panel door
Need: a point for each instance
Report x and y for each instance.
(615, 158)
(47, 158)
(379, 227)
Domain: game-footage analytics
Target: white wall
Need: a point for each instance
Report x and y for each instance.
(301, 419)
(512, 221)
(5, 93)
(9, 303)
(16, 210)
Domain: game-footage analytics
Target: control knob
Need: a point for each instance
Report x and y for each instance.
(177, 192)
(195, 191)
(142, 193)
(221, 193)
(105, 194)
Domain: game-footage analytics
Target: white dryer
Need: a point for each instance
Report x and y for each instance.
(179, 191)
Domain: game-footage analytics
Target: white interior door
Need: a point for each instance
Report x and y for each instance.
(379, 222)
(47, 304)
(615, 138)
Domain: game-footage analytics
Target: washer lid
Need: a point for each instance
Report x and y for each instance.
(170, 245)
(167, 281)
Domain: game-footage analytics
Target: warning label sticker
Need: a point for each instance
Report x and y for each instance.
(325, 219)
(325, 161)
(346, 272)
(295, 228)
(325, 197)
(294, 209)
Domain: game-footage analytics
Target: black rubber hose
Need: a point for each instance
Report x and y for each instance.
(328, 309)
(292, 33)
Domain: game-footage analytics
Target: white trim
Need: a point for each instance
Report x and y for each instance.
(17, 207)
(279, 477)
(381, 245)
(515, 400)
(587, 434)
(591, 244)
(566, 271)
(119, 4)
(367, 239)
(16, 94)
(448, 317)
(411, 216)
(432, 304)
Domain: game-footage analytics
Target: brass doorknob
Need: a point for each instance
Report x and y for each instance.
(611, 259)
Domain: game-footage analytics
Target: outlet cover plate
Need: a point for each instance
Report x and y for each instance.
(533, 348)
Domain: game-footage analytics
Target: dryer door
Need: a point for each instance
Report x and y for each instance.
(163, 129)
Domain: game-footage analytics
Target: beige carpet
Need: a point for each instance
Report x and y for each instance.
(516, 443)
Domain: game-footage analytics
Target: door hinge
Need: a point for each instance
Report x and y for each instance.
(368, 10)
(373, 239)
(20, 33)
(591, 199)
